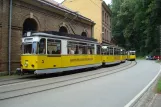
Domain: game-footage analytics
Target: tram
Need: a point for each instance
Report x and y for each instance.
(51, 52)
(131, 55)
(110, 54)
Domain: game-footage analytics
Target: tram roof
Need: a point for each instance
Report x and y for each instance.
(114, 46)
(62, 35)
(131, 51)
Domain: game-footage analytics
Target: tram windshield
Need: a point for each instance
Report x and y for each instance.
(30, 48)
(132, 53)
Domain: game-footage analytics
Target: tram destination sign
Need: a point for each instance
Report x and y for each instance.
(28, 40)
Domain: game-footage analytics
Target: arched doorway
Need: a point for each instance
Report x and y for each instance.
(63, 29)
(29, 25)
(84, 34)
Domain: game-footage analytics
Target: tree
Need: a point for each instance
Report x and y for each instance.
(135, 24)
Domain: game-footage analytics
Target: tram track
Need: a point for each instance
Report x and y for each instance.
(33, 77)
(76, 74)
(13, 92)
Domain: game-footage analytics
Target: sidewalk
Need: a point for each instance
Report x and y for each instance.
(157, 101)
(12, 77)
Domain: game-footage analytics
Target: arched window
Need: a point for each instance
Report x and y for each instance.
(63, 29)
(84, 34)
(29, 25)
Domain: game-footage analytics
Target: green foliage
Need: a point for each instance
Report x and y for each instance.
(135, 24)
(159, 86)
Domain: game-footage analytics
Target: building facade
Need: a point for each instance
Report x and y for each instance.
(99, 12)
(35, 15)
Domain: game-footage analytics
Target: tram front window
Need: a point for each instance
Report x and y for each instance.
(132, 53)
(30, 48)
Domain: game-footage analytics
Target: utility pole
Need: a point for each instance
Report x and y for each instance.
(9, 39)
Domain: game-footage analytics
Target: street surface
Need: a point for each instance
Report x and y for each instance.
(114, 90)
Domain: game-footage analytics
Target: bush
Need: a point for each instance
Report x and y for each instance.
(159, 86)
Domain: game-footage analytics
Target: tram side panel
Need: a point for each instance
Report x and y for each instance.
(49, 61)
(108, 59)
(132, 57)
(117, 56)
(80, 60)
(123, 56)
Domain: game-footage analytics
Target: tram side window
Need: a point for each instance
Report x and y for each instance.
(53, 46)
(103, 51)
(114, 51)
(42, 46)
(111, 51)
(118, 51)
(124, 52)
(27, 48)
(90, 49)
(108, 50)
(98, 49)
(72, 48)
(82, 48)
(121, 52)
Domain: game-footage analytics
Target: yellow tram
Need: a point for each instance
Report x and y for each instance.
(131, 55)
(51, 52)
(123, 55)
(110, 54)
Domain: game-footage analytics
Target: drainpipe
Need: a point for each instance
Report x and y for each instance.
(9, 39)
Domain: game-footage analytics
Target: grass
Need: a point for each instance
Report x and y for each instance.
(5, 75)
(140, 57)
(8, 76)
(158, 61)
(159, 86)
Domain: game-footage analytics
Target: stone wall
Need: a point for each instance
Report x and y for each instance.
(4, 34)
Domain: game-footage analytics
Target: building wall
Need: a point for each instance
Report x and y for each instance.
(106, 25)
(45, 19)
(4, 34)
(93, 11)
(1, 12)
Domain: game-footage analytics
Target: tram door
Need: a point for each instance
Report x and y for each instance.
(50, 53)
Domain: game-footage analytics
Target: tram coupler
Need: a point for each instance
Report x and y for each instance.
(19, 71)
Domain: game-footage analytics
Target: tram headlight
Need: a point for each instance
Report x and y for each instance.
(26, 64)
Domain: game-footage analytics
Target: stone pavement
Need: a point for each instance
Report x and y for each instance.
(157, 101)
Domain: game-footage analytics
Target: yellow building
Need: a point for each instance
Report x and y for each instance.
(96, 10)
